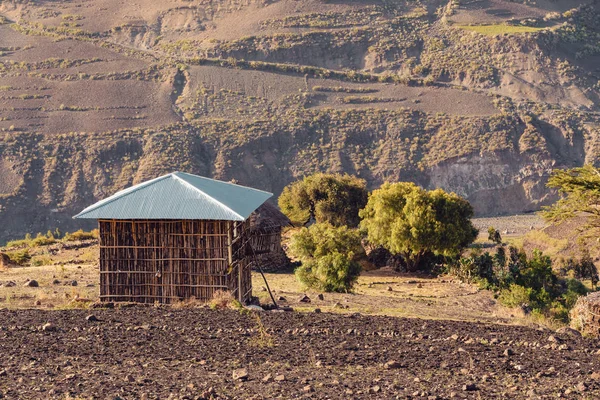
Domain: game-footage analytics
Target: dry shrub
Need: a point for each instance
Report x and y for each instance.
(222, 299)
(263, 338)
(192, 302)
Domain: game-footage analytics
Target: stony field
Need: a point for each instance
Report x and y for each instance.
(157, 353)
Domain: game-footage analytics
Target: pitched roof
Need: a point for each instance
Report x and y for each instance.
(268, 217)
(179, 196)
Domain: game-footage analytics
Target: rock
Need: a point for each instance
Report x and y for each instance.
(565, 330)
(392, 364)
(304, 299)
(48, 327)
(129, 378)
(420, 285)
(281, 298)
(508, 352)
(267, 378)
(470, 387)
(32, 283)
(101, 304)
(280, 378)
(56, 282)
(389, 289)
(240, 374)
(338, 305)
(307, 389)
(10, 284)
(263, 289)
(317, 310)
(581, 387)
(3, 372)
(376, 389)
(73, 283)
(38, 303)
(320, 296)
(553, 339)
(91, 318)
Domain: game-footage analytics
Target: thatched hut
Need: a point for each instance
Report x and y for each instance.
(266, 225)
(176, 237)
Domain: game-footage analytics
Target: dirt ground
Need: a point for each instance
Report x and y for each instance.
(155, 353)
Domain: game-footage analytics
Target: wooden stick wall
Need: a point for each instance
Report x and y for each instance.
(165, 261)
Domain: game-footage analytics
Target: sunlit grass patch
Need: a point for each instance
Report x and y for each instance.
(500, 29)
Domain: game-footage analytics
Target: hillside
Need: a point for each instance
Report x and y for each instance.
(481, 98)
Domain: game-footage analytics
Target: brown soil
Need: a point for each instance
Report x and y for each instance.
(153, 353)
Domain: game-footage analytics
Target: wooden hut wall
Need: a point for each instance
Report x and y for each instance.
(167, 260)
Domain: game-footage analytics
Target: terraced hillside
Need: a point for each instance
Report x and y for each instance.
(483, 98)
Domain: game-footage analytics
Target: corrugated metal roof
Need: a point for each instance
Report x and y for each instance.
(179, 196)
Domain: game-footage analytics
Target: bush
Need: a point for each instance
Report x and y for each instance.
(516, 296)
(20, 257)
(328, 255)
(43, 240)
(334, 272)
(81, 235)
(494, 235)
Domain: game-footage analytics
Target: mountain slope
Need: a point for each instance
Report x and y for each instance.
(482, 98)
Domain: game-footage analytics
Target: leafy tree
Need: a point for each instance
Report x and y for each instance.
(580, 190)
(494, 235)
(412, 222)
(328, 255)
(332, 198)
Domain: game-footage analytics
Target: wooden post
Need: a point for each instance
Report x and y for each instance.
(230, 258)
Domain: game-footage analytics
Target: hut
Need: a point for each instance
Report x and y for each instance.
(176, 237)
(266, 225)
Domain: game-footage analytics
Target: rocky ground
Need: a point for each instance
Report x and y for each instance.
(200, 354)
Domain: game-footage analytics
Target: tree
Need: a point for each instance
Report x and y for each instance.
(328, 255)
(412, 222)
(332, 198)
(580, 190)
(494, 235)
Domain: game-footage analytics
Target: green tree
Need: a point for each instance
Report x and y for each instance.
(412, 222)
(580, 190)
(320, 197)
(328, 255)
(494, 235)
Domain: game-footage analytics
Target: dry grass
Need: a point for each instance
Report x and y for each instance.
(500, 29)
(410, 296)
(222, 299)
(49, 295)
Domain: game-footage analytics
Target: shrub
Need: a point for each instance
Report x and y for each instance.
(328, 255)
(81, 235)
(20, 257)
(516, 296)
(43, 240)
(494, 235)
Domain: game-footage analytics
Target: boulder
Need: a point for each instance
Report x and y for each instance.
(31, 283)
(304, 299)
(6, 262)
(240, 374)
(585, 315)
